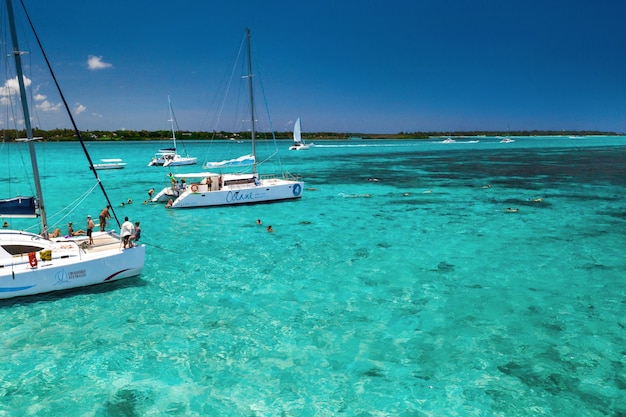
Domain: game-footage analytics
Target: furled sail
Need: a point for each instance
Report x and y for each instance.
(18, 207)
(244, 160)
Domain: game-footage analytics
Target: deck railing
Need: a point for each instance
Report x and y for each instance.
(285, 176)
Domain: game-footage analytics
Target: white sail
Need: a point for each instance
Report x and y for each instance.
(297, 134)
(298, 143)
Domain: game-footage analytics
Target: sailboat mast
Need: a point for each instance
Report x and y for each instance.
(17, 55)
(169, 102)
(251, 100)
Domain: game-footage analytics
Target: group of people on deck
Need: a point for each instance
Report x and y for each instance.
(129, 232)
(71, 232)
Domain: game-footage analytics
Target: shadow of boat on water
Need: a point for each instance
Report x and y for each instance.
(105, 287)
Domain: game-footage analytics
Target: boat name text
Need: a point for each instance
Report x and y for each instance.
(63, 276)
(237, 196)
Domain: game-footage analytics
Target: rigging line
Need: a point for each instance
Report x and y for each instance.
(218, 102)
(269, 157)
(74, 203)
(226, 92)
(176, 128)
(11, 115)
(14, 90)
(157, 247)
(34, 114)
(230, 80)
(67, 108)
(20, 149)
(269, 117)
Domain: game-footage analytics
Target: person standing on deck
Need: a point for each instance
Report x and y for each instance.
(90, 226)
(104, 215)
(126, 231)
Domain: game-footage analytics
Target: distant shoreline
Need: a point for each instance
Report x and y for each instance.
(60, 135)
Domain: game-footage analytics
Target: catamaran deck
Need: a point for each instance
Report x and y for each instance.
(102, 241)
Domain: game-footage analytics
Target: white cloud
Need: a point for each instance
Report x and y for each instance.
(47, 106)
(79, 108)
(11, 86)
(44, 105)
(96, 63)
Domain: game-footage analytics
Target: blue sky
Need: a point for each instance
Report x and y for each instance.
(343, 66)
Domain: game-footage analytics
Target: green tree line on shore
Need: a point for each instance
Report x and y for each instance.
(146, 135)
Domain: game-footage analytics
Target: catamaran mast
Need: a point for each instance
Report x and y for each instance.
(17, 55)
(169, 102)
(251, 100)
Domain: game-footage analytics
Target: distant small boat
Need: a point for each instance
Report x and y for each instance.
(507, 140)
(168, 157)
(448, 140)
(114, 163)
(298, 143)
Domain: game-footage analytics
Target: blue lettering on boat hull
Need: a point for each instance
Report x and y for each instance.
(236, 196)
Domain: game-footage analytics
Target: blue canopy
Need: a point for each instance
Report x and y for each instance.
(18, 207)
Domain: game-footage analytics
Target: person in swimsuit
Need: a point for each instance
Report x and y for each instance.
(90, 226)
(104, 215)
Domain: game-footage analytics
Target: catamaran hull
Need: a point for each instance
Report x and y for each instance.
(108, 166)
(164, 195)
(267, 191)
(298, 147)
(180, 162)
(22, 279)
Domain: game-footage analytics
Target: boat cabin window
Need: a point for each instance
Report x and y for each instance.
(240, 181)
(21, 249)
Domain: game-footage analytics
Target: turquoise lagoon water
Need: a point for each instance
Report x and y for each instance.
(398, 285)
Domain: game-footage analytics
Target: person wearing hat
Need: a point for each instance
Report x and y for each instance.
(90, 226)
(71, 232)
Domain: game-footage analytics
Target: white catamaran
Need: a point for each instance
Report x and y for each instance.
(168, 157)
(207, 189)
(33, 264)
(112, 163)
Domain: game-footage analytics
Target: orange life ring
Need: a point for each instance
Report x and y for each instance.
(194, 188)
(32, 259)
